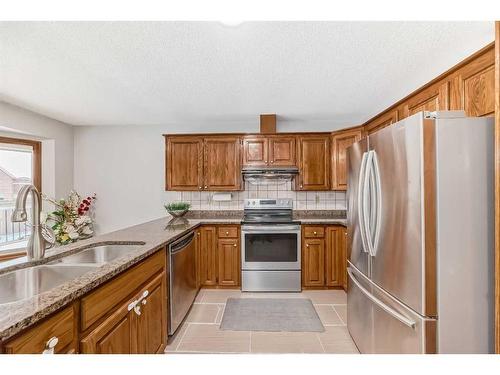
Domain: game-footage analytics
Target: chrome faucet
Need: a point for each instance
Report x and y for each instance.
(37, 243)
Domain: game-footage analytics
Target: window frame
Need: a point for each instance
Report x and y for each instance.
(37, 179)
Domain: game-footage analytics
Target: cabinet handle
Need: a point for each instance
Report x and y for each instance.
(50, 345)
(136, 305)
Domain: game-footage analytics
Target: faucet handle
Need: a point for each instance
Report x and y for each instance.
(48, 235)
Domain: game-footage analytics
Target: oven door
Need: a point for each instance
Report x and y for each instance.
(266, 247)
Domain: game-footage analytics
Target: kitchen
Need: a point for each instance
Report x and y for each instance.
(257, 231)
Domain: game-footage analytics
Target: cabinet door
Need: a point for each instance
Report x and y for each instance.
(282, 151)
(208, 261)
(115, 335)
(340, 142)
(222, 167)
(184, 163)
(313, 263)
(435, 98)
(314, 163)
(382, 121)
(229, 261)
(343, 257)
(61, 326)
(255, 151)
(152, 323)
(334, 256)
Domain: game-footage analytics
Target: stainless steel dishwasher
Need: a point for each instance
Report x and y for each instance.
(182, 279)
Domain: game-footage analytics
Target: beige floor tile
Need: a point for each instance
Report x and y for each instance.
(174, 340)
(328, 315)
(208, 338)
(272, 295)
(222, 307)
(337, 340)
(342, 311)
(201, 313)
(199, 296)
(326, 296)
(219, 296)
(341, 347)
(285, 342)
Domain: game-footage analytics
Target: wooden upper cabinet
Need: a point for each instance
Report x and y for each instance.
(340, 142)
(313, 162)
(472, 89)
(271, 150)
(282, 151)
(255, 151)
(184, 163)
(435, 98)
(382, 121)
(222, 167)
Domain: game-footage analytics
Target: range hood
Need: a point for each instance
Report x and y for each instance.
(269, 175)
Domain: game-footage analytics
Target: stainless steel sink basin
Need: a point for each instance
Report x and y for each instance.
(28, 282)
(97, 255)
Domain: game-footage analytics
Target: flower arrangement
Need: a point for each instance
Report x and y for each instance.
(71, 219)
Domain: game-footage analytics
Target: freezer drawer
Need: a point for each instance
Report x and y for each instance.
(379, 323)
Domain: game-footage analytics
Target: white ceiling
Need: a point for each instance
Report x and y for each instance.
(145, 73)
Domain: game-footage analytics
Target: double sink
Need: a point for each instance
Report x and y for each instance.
(29, 282)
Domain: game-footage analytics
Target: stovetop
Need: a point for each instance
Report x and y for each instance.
(268, 211)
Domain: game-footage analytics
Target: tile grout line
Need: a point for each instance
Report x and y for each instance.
(182, 338)
(319, 339)
(342, 320)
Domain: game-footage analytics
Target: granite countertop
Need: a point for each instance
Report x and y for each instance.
(154, 235)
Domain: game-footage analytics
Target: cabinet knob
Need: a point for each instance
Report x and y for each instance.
(227, 233)
(234, 245)
(315, 233)
(206, 186)
(272, 161)
(301, 186)
(200, 187)
(198, 233)
(50, 345)
(307, 245)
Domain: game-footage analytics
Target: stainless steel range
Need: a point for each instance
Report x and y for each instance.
(270, 249)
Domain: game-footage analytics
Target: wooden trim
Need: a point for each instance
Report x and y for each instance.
(436, 80)
(37, 157)
(430, 307)
(9, 256)
(497, 187)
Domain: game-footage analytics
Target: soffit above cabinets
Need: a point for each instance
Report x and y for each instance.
(203, 76)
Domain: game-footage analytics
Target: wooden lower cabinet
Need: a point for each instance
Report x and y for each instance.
(323, 256)
(208, 255)
(229, 261)
(219, 260)
(126, 315)
(313, 262)
(60, 328)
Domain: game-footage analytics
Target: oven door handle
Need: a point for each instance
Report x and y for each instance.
(265, 229)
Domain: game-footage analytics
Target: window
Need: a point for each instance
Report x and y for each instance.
(20, 163)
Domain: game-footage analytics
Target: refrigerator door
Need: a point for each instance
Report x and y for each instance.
(356, 159)
(379, 323)
(397, 257)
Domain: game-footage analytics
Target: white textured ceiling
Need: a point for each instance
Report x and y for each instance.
(144, 73)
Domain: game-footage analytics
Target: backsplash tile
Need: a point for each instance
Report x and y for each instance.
(311, 200)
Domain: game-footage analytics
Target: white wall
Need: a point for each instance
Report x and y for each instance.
(124, 166)
(57, 145)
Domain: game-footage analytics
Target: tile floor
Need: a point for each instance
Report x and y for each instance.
(200, 331)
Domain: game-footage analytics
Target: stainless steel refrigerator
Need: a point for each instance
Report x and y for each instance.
(420, 229)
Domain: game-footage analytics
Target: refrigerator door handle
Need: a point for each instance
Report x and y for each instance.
(403, 319)
(367, 204)
(377, 203)
(362, 175)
